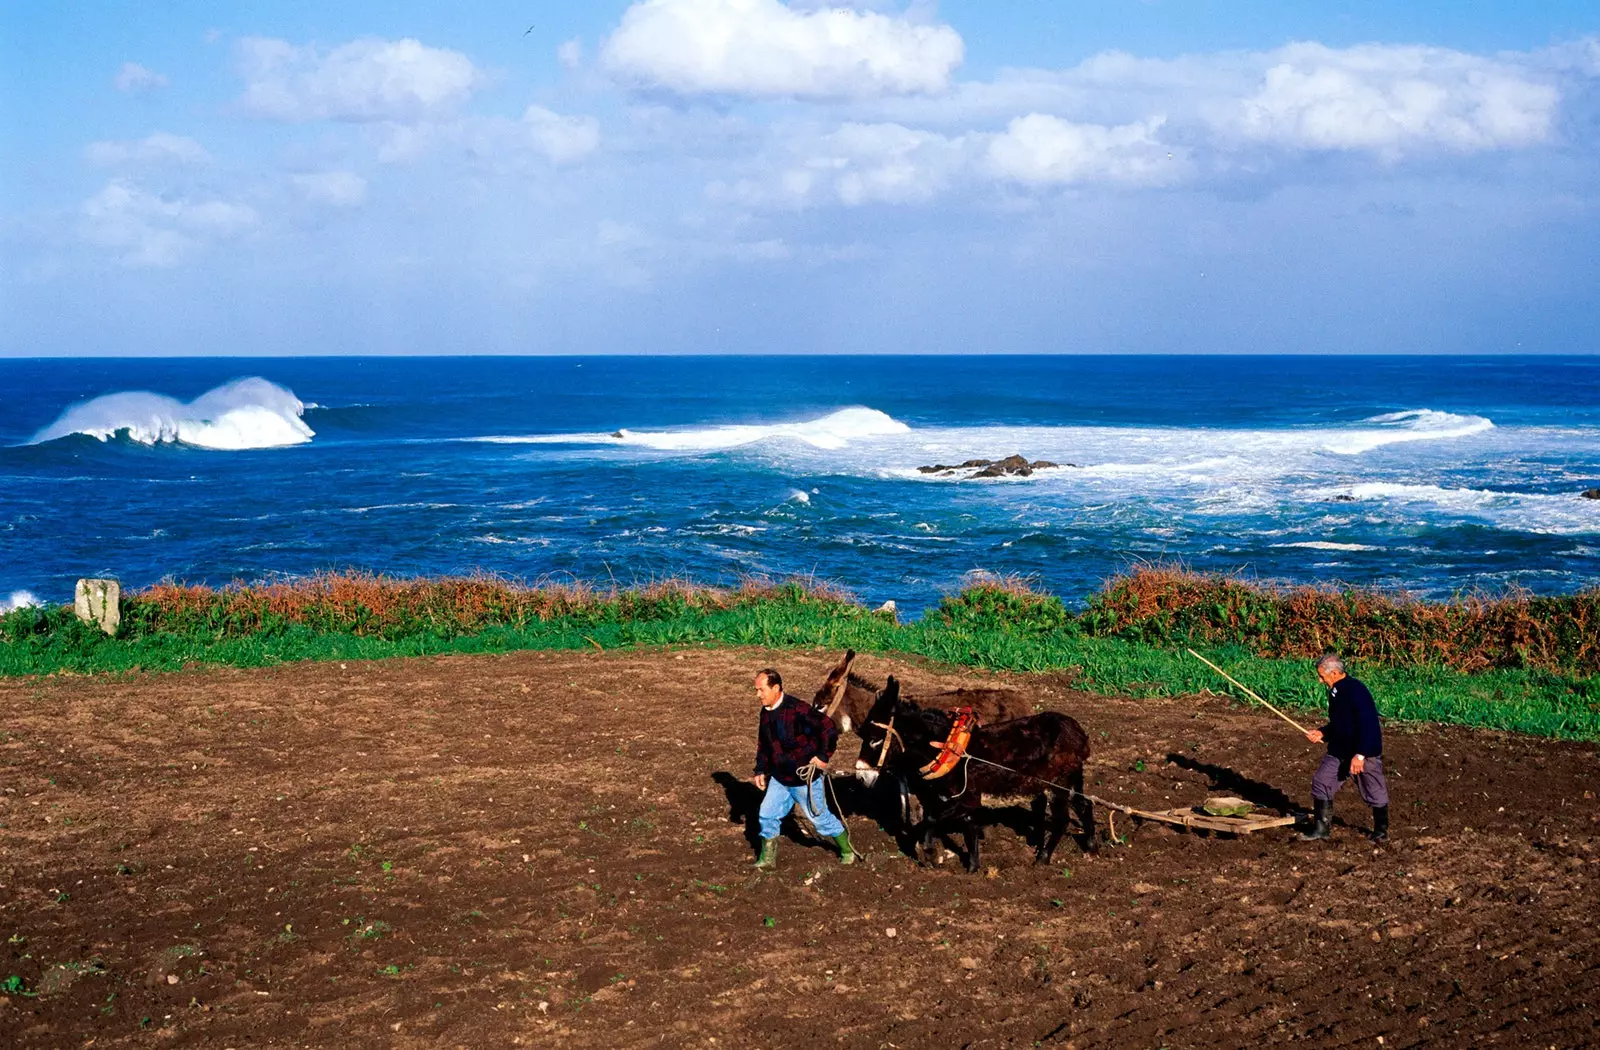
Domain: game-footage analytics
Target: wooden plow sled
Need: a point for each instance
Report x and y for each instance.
(1197, 817)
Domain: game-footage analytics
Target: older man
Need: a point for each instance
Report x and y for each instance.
(1355, 749)
(793, 746)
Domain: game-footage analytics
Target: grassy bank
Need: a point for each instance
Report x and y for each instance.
(1114, 646)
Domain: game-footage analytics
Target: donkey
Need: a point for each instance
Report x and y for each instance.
(846, 697)
(1042, 756)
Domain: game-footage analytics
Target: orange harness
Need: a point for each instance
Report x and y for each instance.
(954, 749)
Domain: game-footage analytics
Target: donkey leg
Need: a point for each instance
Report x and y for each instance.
(973, 835)
(1053, 825)
(1085, 810)
(928, 844)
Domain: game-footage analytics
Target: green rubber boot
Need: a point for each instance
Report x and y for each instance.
(768, 859)
(847, 852)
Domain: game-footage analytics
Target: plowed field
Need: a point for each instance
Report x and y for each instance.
(551, 849)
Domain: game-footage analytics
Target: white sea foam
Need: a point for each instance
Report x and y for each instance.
(243, 414)
(1417, 424)
(18, 600)
(836, 430)
(1329, 545)
(799, 496)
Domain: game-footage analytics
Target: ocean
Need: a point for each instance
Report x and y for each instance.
(1435, 475)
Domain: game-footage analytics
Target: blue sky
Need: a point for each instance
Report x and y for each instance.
(745, 176)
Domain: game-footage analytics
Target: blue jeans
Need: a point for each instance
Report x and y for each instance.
(781, 798)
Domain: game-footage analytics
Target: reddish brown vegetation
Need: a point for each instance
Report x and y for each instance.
(364, 604)
(1167, 606)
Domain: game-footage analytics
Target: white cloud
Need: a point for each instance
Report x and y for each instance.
(1039, 149)
(134, 77)
(338, 189)
(763, 48)
(147, 230)
(570, 53)
(854, 164)
(1387, 99)
(560, 138)
(1383, 99)
(159, 148)
(364, 80)
(860, 164)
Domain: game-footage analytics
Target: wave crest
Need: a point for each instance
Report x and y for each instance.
(835, 430)
(244, 414)
(1415, 424)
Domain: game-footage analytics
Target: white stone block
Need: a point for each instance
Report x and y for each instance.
(99, 601)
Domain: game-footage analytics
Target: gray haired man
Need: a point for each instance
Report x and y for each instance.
(1355, 750)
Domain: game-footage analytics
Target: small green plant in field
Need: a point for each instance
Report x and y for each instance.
(366, 931)
(15, 985)
(769, 922)
(389, 971)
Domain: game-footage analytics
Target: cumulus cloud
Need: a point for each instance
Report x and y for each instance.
(144, 229)
(1376, 98)
(134, 77)
(854, 164)
(1040, 149)
(570, 53)
(561, 139)
(159, 148)
(1387, 99)
(337, 189)
(764, 48)
(887, 163)
(364, 80)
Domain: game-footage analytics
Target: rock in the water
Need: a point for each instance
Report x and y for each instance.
(1015, 466)
(1592, 494)
(1344, 497)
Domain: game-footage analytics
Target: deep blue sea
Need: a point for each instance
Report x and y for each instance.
(1437, 475)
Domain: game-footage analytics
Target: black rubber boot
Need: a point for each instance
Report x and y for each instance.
(1321, 821)
(1380, 825)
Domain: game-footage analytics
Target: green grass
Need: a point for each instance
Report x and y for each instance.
(986, 627)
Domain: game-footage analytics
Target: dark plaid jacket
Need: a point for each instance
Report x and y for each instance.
(791, 734)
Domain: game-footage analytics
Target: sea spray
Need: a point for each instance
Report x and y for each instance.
(244, 414)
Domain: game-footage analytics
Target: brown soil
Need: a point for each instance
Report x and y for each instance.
(499, 851)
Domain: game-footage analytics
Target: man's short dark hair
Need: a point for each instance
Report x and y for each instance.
(772, 677)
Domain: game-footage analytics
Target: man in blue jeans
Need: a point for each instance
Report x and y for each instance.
(793, 747)
(1355, 752)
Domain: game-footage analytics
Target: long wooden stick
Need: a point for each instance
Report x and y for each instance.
(1247, 692)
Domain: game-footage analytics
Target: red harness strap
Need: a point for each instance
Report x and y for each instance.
(952, 750)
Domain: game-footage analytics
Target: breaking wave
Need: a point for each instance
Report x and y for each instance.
(244, 414)
(1417, 424)
(18, 600)
(835, 430)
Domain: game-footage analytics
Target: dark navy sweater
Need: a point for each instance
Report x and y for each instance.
(1352, 727)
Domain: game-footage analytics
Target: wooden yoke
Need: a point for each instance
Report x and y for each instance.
(953, 749)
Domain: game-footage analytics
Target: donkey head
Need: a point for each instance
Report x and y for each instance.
(878, 739)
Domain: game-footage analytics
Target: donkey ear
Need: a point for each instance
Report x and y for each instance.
(891, 692)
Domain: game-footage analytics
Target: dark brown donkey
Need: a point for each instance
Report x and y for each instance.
(1042, 756)
(847, 697)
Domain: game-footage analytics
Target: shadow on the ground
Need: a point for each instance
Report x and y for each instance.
(1222, 778)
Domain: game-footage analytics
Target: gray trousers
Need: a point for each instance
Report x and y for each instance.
(1332, 774)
